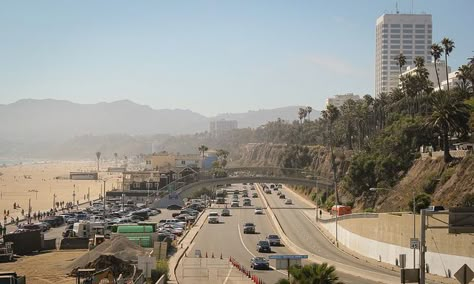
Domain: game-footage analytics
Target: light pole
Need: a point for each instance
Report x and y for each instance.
(414, 224)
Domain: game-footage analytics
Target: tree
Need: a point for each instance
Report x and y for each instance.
(302, 113)
(436, 51)
(401, 60)
(464, 74)
(315, 274)
(222, 157)
(308, 111)
(422, 201)
(283, 281)
(330, 115)
(451, 116)
(116, 157)
(98, 154)
(448, 46)
(202, 149)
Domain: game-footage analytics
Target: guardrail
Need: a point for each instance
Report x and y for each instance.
(350, 216)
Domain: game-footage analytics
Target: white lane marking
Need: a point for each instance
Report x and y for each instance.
(242, 241)
(228, 274)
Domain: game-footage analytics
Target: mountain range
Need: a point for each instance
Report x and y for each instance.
(44, 123)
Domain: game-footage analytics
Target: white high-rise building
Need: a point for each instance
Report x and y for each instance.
(410, 34)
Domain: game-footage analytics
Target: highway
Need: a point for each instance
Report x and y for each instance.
(227, 238)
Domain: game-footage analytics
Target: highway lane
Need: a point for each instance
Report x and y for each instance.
(227, 238)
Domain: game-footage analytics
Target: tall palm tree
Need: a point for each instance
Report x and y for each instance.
(464, 74)
(98, 154)
(202, 149)
(401, 60)
(302, 114)
(448, 46)
(315, 274)
(308, 111)
(330, 115)
(451, 116)
(436, 51)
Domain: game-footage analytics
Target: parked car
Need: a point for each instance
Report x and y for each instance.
(268, 191)
(435, 208)
(254, 195)
(259, 262)
(249, 228)
(282, 196)
(263, 246)
(234, 204)
(247, 202)
(273, 240)
(288, 201)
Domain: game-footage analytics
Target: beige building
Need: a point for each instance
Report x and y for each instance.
(410, 34)
(167, 161)
(339, 100)
(430, 66)
(218, 127)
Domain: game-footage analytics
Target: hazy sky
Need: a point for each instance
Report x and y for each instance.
(207, 56)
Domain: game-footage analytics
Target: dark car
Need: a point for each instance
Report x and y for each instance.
(263, 246)
(249, 228)
(282, 196)
(259, 262)
(435, 208)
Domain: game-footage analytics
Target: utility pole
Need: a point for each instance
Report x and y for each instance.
(88, 194)
(54, 201)
(104, 200)
(29, 211)
(414, 227)
(422, 246)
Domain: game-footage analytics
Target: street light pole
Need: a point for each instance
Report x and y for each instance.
(104, 200)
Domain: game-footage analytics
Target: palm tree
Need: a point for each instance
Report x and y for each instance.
(314, 274)
(330, 115)
(448, 46)
(436, 51)
(202, 149)
(283, 281)
(97, 154)
(309, 110)
(302, 114)
(401, 60)
(451, 116)
(464, 74)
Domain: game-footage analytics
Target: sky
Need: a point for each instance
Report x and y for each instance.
(208, 56)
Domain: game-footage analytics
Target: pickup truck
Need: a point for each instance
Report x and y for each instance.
(249, 228)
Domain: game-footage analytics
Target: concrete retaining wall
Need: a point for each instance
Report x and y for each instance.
(49, 244)
(437, 263)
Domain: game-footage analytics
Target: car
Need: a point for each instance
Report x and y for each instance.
(236, 192)
(435, 208)
(72, 220)
(282, 196)
(258, 211)
(288, 201)
(279, 185)
(234, 204)
(252, 187)
(254, 195)
(249, 228)
(245, 194)
(263, 246)
(273, 240)
(268, 191)
(225, 212)
(272, 186)
(213, 217)
(279, 193)
(259, 262)
(247, 202)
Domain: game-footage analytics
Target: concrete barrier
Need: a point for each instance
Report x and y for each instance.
(74, 243)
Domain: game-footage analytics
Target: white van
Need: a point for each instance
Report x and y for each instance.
(213, 218)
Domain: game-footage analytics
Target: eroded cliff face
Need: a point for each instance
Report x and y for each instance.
(448, 185)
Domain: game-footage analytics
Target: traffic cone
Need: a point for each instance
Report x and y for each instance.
(206, 254)
(221, 255)
(213, 255)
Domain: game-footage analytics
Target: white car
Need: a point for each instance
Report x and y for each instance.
(213, 218)
(258, 211)
(289, 202)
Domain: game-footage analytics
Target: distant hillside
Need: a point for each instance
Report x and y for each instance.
(62, 128)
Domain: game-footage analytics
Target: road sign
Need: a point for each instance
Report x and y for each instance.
(410, 275)
(288, 256)
(461, 220)
(414, 243)
(464, 275)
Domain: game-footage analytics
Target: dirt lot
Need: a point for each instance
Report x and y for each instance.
(45, 268)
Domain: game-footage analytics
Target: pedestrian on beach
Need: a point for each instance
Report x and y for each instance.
(320, 213)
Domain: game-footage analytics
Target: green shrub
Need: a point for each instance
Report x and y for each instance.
(422, 201)
(369, 210)
(162, 268)
(430, 184)
(468, 200)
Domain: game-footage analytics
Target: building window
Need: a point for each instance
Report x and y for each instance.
(407, 36)
(407, 25)
(384, 57)
(394, 36)
(419, 47)
(407, 42)
(395, 25)
(420, 31)
(395, 46)
(407, 31)
(419, 52)
(395, 41)
(183, 162)
(420, 26)
(419, 41)
(419, 36)
(395, 31)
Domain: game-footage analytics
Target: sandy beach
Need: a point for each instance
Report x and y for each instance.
(41, 183)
